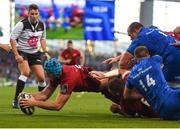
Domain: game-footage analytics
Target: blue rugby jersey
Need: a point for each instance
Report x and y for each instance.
(147, 77)
(157, 42)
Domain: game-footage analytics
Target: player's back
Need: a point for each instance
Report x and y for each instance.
(159, 43)
(148, 79)
(77, 78)
(71, 74)
(155, 40)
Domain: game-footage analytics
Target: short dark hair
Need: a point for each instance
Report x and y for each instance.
(33, 6)
(69, 42)
(140, 51)
(115, 86)
(134, 26)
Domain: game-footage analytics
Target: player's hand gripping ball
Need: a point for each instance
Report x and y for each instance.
(27, 110)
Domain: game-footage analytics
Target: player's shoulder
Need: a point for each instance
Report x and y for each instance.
(64, 51)
(24, 20)
(157, 58)
(19, 26)
(143, 32)
(76, 50)
(145, 29)
(69, 68)
(25, 23)
(67, 72)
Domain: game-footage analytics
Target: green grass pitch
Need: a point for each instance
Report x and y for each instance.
(73, 33)
(89, 110)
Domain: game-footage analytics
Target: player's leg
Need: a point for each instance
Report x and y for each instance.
(176, 116)
(171, 110)
(39, 72)
(170, 69)
(36, 66)
(24, 70)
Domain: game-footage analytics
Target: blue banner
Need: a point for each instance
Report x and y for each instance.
(99, 20)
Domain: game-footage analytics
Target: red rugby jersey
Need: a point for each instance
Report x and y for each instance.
(73, 55)
(76, 78)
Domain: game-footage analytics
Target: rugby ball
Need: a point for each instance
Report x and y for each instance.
(28, 110)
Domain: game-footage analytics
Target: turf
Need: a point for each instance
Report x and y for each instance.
(82, 111)
(73, 33)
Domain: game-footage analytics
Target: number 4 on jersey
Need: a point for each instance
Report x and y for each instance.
(150, 81)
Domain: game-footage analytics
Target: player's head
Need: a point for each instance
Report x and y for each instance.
(133, 29)
(33, 13)
(53, 66)
(115, 86)
(69, 45)
(141, 52)
(177, 30)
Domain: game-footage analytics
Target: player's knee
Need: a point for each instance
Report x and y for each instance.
(25, 72)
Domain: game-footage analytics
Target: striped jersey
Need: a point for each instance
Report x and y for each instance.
(28, 36)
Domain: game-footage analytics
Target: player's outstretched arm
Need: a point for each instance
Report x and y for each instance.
(55, 105)
(112, 73)
(112, 60)
(97, 74)
(101, 75)
(44, 94)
